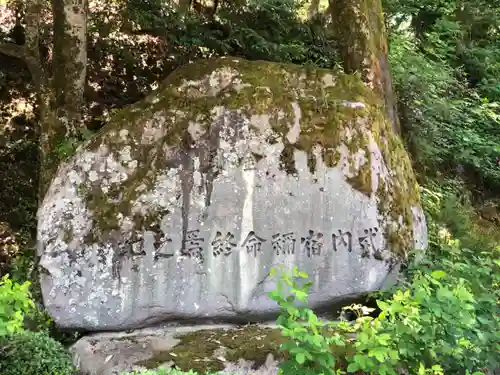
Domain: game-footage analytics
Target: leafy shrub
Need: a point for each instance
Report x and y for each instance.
(309, 348)
(436, 319)
(471, 265)
(33, 353)
(15, 303)
(9, 246)
(445, 319)
(313, 343)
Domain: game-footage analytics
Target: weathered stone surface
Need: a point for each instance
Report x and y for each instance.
(181, 205)
(164, 347)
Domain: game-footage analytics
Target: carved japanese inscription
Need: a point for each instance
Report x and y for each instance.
(342, 240)
(311, 244)
(366, 241)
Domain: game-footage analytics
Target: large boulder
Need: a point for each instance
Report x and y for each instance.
(180, 206)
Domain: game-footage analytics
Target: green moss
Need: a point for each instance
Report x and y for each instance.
(268, 89)
(197, 350)
(68, 234)
(362, 181)
(397, 199)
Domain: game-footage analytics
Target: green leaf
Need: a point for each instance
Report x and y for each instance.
(382, 305)
(438, 274)
(353, 367)
(378, 353)
(300, 358)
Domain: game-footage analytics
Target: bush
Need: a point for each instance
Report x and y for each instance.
(308, 347)
(444, 319)
(15, 303)
(439, 318)
(33, 353)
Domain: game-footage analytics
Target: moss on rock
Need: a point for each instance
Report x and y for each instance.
(198, 350)
(336, 110)
(209, 350)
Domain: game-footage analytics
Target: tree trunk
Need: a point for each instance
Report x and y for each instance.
(41, 81)
(70, 61)
(62, 100)
(361, 36)
(60, 97)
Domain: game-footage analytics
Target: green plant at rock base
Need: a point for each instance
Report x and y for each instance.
(444, 320)
(457, 314)
(309, 348)
(15, 304)
(430, 322)
(373, 350)
(33, 353)
(447, 312)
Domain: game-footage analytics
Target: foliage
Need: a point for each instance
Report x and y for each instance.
(466, 33)
(15, 303)
(449, 127)
(33, 353)
(469, 253)
(268, 30)
(436, 319)
(447, 77)
(444, 319)
(9, 246)
(447, 312)
(311, 351)
(18, 196)
(308, 347)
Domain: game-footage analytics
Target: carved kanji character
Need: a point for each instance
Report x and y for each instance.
(191, 246)
(366, 242)
(223, 244)
(313, 243)
(342, 239)
(133, 247)
(253, 243)
(284, 243)
(161, 247)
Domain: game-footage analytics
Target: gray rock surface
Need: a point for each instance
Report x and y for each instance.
(179, 208)
(119, 352)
